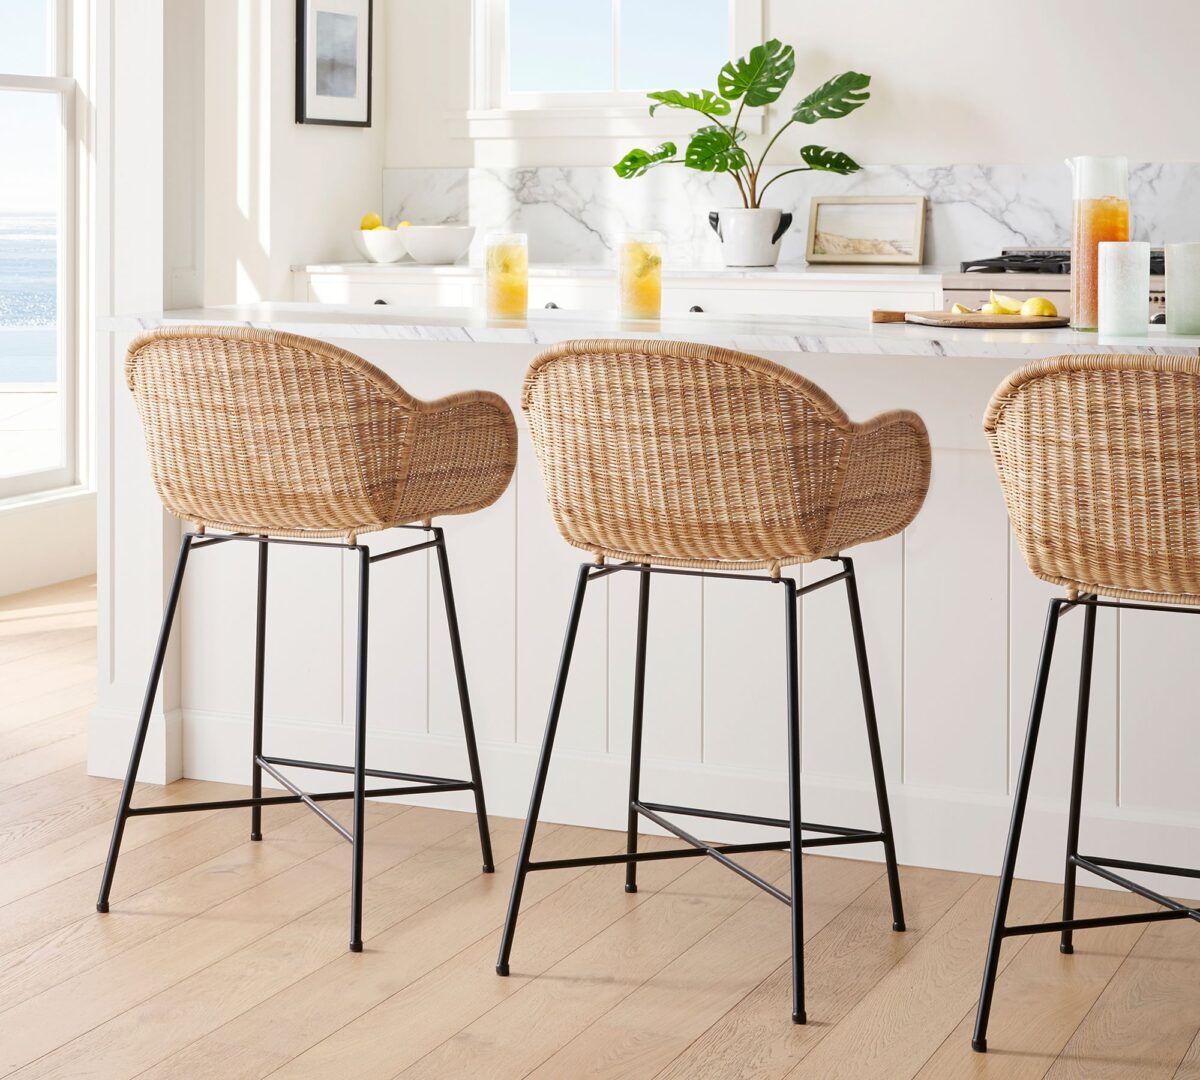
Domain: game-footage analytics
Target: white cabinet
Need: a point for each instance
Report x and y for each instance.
(768, 292)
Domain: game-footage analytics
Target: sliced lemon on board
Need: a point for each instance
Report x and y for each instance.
(990, 309)
(962, 309)
(1005, 305)
(1039, 305)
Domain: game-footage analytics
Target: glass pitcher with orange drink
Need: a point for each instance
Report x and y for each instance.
(1101, 213)
(506, 275)
(639, 275)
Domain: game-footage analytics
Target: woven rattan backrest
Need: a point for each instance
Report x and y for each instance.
(269, 432)
(684, 451)
(1099, 459)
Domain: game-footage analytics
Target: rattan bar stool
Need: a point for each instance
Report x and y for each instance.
(677, 458)
(1099, 459)
(274, 438)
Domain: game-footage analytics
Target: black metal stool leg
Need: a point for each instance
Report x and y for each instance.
(139, 739)
(635, 750)
(1020, 798)
(799, 1016)
(464, 700)
(260, 648)
(1067, 945)
(868, 696)
(360, 751)
(543, 767)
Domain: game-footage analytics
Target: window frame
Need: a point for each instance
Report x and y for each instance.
(496, 112)
(63, 86)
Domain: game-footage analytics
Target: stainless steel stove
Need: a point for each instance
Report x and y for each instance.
(1024, 272)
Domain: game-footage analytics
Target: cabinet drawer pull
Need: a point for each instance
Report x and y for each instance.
(381, 301)
(696, 307)
(551, 304)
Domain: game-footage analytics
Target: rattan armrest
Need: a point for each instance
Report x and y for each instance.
(885, 480)
(463, 454)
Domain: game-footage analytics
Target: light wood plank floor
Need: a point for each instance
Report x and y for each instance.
(226, 960)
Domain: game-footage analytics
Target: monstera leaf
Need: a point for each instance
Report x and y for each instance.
(704, 101)
(760, 76)
(837, 98)
(715, 149)
(638, 161)
(825, 160)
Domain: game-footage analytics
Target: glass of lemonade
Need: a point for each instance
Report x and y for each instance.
(639, 275)
(507, 275)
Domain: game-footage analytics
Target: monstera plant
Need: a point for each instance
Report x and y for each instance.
(756, 80)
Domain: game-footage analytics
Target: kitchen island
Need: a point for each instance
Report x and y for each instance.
(953, 621)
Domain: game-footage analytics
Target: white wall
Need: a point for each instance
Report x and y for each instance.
(276, 193)
(1025, 81)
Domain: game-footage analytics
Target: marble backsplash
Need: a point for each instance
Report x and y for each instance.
(575, 214)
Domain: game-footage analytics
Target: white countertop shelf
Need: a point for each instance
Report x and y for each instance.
(783, 272)
(750, 333)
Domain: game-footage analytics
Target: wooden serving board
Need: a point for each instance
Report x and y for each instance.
(978, 321)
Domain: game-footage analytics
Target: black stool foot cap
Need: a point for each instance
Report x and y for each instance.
(488, 868)
(1066, 948)
(899, 926)
(256, 836)
(356, 946)
(630, 888)
(102, 906)
(799, 1018)
(979, 1046)
(501, 969)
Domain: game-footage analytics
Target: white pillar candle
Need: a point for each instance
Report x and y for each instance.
(1183, 288)
(1124, 287)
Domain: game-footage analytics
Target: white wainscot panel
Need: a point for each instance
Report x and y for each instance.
(1029, 598)
(745, 699)
(672, 725)
(547, 567)
(1160, 729)
(397, 656)
(956, 630)
(835, 739)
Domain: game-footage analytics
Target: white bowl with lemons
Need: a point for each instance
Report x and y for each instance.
(378, 243)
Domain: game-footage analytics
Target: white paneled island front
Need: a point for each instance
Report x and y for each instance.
(953, 622)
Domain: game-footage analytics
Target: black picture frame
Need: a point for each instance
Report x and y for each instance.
(304, 114)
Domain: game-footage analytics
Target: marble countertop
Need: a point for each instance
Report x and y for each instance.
(782, 272)
(750, 333)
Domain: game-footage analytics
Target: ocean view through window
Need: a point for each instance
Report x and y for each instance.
(38, 393)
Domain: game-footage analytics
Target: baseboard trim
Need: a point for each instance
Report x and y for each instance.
(944, 829)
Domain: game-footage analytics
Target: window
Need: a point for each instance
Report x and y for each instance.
(37, 343)
(594, 60)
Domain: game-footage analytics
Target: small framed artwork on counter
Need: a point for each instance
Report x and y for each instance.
(882, 229)
(333, 62)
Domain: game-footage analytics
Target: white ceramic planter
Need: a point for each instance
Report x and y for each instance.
(750, 237)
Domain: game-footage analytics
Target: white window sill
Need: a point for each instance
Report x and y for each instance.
(61, 495)
(588, 122)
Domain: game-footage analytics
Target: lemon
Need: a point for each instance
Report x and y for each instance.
(1039, 305)
(403, 224)
(370, 221)
(990, 309)
(1005, 305)
(961, 309)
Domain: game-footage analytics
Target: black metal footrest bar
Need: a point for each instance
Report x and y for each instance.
(308, 801)
(321, 766)
(710, 850)
(1097, 867)
(852, 836)
(652, 856)
(281, 800)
